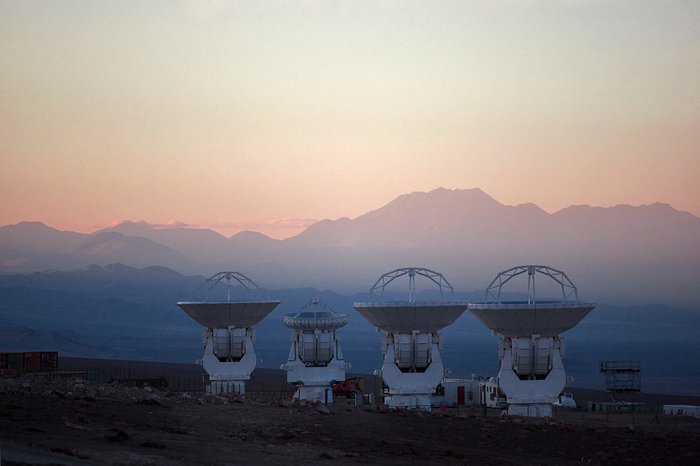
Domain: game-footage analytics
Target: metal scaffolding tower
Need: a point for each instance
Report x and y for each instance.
(622, 377)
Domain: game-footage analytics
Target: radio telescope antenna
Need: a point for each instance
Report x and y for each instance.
(531, 349)
(229, 355)
(411, 345)
(315, 359)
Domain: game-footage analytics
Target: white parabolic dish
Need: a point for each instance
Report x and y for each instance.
(407, 316)
(522, 319)
(240, 314)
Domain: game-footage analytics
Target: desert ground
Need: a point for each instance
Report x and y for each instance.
(73, 421)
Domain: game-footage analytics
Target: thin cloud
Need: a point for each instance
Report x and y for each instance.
(287, 222)
(173, 224)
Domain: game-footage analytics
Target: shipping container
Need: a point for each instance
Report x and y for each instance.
(49, 361)
(14, 364)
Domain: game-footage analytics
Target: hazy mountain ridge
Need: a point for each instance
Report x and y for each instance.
(70, 343)
(193, 243)
(642, 254)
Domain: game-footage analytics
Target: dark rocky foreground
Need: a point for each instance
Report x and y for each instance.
(70, 421)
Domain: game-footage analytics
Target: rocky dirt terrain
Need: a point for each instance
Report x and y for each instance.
(72, 421)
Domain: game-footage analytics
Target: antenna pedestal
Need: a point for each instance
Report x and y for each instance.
(532, 374)
(228, 370)
(412, 368)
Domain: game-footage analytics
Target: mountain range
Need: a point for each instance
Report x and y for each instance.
(623, 254)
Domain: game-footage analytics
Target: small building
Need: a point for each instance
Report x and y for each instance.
(475, 391)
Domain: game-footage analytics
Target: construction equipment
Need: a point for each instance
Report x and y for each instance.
(350, 387)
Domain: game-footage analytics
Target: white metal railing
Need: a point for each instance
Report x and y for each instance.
(314, 322)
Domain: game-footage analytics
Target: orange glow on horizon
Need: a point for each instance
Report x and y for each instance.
(268, 116)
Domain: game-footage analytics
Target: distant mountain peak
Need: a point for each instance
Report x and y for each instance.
(467, 193)
(439, 201)
(134, 222)
(129, 225)
(656, 207)
(252, 239)
(144, 226)
(118, 267)
(249, 234)
(110, 242)
(33, 226)
(472, 196)
(530, 209)
(472, 191)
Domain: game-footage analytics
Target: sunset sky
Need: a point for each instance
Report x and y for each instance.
(268, 115)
